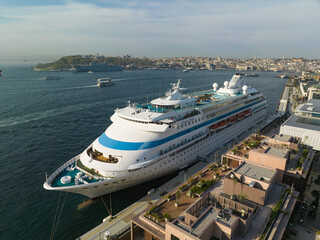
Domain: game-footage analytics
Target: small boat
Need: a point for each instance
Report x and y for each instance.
(189, 69)
(90, 72)
(247, 112)
(231, 120)
(104, 82)
(222, 124)
(284, 76)
(52, 77)
(240, 116)
(214, 127)
(251, 75)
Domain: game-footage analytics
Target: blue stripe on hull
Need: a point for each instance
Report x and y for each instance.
(133, 146)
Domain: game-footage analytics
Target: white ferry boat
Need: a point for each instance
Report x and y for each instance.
(148, 141)
(104, 82)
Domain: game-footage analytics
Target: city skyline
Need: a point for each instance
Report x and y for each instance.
(235, 29)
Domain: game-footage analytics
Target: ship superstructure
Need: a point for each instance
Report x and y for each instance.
(146, 141)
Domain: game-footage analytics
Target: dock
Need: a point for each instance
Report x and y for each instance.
(120, 223)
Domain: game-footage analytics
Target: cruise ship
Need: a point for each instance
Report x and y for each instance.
(97, 67)
(147, 141)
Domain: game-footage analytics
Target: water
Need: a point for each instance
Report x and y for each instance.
(43, 123)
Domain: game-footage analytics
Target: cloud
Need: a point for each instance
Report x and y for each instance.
(166, 28)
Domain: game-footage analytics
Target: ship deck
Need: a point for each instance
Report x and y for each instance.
(203, 98)
(72, 171)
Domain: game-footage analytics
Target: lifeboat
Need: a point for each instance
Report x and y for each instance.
(232, 120)
(214, 127)
(222, 124)
(240, 116)
(247, 112)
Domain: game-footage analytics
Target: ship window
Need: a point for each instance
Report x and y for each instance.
(137, 160)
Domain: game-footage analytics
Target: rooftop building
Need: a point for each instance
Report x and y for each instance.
(281, 152)
(305, 124)
(206, 207)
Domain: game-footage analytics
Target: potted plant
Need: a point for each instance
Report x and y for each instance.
(233, 196)
(178, 194)
(176, 204)
(168, 197)
(183, 187)
(190, 181)
(216, 176)
(243, 213)
(166, 216)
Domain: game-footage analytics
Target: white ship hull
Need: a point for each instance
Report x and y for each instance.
(170, 162)
(151, 140)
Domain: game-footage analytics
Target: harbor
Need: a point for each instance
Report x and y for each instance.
(159, 120)
(96, 104)
(119, 225)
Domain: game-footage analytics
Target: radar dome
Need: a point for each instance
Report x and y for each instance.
(245, 88)
(226, 83)
(215, 86)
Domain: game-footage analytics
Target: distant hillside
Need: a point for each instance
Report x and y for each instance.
(65, 63)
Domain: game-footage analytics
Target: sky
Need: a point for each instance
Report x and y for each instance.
(163, 28)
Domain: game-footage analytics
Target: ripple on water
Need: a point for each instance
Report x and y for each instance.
(45, 123)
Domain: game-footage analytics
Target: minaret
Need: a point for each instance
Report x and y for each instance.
(283, 56)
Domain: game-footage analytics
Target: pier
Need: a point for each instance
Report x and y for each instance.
(120, 223)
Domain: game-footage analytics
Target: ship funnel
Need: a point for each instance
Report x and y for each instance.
(215, 86)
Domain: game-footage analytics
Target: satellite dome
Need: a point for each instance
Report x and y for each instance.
(215, 86)
(226, 83)
(245, 88)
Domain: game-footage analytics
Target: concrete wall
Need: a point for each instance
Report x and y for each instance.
(171, 229)
(267, 160)
(313, 136)
(212, 231)
(245, 179)
(254, 194)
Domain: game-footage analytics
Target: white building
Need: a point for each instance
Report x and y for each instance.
(314, 92)
(305, 123)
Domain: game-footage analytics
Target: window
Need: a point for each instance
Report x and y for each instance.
(173, 237)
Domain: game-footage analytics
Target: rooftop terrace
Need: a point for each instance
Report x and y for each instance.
(278, 152)
(206, 219)
(187, 194)
(282, 137)
(255, 172)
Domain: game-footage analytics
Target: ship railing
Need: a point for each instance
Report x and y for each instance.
(60, 169)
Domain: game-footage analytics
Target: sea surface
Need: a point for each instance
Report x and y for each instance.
(44, 123)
